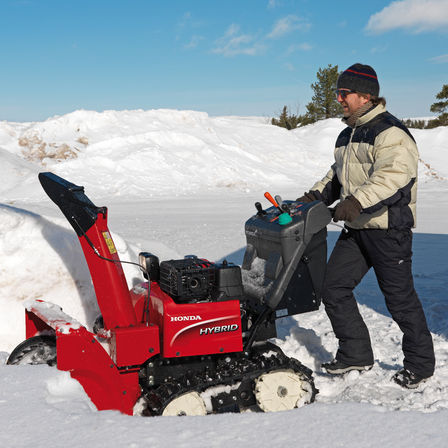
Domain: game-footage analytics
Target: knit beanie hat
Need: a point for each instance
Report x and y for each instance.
(361, 78)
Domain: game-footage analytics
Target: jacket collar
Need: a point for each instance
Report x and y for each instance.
(370, 115)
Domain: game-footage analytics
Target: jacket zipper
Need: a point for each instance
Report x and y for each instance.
(349, 147)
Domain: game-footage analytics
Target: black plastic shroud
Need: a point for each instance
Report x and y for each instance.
(79, 210)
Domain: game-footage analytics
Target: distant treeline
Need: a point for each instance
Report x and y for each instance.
(426, 124)
(325, 105)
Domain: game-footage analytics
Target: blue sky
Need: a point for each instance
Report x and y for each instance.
(224, 57)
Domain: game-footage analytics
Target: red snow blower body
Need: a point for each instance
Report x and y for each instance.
(170, 344)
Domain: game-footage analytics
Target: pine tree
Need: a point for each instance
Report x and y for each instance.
(324, 103)
(440, 107)
(285, 120)
(415, 124)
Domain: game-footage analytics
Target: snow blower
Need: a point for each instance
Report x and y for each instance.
(194, 337)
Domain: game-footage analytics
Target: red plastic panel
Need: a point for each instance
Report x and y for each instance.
(134, 345)
(83, 356)
(34, 325)
(191, 329)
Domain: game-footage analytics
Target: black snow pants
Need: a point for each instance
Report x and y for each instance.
(389, 252)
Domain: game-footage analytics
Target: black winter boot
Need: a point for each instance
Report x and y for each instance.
(408, 379)
(336, 367)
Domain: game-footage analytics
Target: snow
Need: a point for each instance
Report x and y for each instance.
(180, 183)
(53, 315)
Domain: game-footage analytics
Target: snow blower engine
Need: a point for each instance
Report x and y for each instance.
(194, 337)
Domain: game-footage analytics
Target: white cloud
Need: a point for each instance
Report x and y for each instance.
(299, 47)
(233, 43)
(442, 59)
(194, 42)
(414, 15)
(287, 25)
(184, 21)
(380, 49)
(272, 4)
(232, 30)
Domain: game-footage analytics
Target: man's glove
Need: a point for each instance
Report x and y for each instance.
(308, 197)
(347, 210)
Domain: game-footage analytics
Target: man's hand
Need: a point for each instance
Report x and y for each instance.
(347, 210)
(307, 197)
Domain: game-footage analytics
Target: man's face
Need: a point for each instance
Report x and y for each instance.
(351, 101)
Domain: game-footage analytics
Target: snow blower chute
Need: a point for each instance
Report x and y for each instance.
(193, 338)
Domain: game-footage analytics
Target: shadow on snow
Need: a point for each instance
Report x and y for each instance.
(430, 268)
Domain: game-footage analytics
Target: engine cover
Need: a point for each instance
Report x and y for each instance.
(191, 329)
(188, 279)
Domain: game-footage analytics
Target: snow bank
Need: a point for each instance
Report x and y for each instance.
(169, 153)
(162, 152)
(42, 259)
(433, 146)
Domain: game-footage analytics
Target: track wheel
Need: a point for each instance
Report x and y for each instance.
(282, 390)
(187, 404)
(35, 350)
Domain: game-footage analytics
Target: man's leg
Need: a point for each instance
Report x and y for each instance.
(345, 269)
(391, 254)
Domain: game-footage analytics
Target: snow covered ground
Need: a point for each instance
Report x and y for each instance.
(179, 183)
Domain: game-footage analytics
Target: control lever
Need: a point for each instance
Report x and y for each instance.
(285, 217)
(268, 196)
(260, 211)
(279, 200)
(285, 207)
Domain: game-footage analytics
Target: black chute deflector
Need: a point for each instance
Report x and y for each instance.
(79, 210)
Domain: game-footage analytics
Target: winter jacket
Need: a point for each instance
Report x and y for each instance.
(376, 162)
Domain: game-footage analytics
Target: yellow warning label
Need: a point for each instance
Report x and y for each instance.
(109, 242)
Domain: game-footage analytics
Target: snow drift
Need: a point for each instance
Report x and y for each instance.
(157, 153)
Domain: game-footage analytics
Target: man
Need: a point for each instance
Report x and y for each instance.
(375, 177)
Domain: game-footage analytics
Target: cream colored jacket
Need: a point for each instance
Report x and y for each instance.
(376, 162)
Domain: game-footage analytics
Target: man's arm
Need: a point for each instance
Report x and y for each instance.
(328, 189)
(394, 171)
